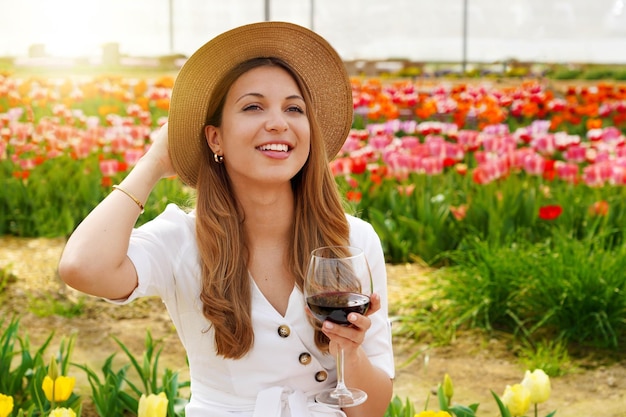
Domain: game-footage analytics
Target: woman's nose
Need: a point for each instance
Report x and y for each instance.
(276, 122)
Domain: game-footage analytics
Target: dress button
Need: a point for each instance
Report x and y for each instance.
(304, 358)
(284, 331)
(321, 376)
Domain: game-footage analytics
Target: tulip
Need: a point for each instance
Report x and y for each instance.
(538, 383)
(152, 405)
(53, 369)
(62, 412)
(517, 399)
(59, 389)
(6, 405)
(429, 413)
(448, 388)
(550, 212)
(459, 212)
(599, 208)
(461, 169)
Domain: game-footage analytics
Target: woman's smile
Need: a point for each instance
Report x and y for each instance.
(275, 150)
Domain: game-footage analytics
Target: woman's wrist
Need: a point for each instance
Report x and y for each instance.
(151, 169)
(138, 184)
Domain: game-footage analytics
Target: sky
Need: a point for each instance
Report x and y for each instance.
(424, 30)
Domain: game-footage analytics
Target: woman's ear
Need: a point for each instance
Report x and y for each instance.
(213, 138)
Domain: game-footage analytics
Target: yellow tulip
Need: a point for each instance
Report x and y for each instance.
(429, 413)
(6, 405)
(61, 388)
(62, 412)
(53, 369)
(538, 383)
(152, 405)
(448, 388)
(517, 399)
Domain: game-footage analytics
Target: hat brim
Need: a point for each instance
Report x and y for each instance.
(307, 53)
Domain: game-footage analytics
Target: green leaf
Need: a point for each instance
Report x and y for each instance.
(443, 401)
(462, 411)
(504, 411)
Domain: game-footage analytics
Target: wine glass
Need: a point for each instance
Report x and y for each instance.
(338, 282)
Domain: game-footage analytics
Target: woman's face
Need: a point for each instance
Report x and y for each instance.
(265, 135)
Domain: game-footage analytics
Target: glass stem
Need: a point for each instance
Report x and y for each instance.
(340, 390)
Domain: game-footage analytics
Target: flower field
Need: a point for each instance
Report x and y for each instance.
(492, 161)
(515, 192)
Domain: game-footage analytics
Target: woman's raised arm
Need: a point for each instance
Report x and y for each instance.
(94, 259)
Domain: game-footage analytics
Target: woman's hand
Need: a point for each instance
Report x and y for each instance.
(359, 370)
(159, 155)
(351, 337)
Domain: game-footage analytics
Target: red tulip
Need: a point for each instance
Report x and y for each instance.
(550, 212)
(359, 165)
(354, 196)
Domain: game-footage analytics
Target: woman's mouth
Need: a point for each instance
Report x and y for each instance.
(277, 147)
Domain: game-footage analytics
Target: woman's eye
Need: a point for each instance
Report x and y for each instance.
(252, 107)
(297, 109)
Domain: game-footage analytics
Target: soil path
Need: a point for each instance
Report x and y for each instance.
(475, 363)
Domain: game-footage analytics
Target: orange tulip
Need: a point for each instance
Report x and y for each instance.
(599, 208)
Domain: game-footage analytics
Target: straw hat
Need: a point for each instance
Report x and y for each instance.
(310, 56)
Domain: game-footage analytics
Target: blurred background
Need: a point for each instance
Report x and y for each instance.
(50, 32)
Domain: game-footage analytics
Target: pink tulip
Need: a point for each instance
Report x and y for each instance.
(108, 167)
(27, 164)
(567, 171)
(351, 144)
(380, 141)
(575, 153)
(534, 164)
(453, 151)
(618, 175)
(544, 143)
(409, 142)
(131, 156)
(518, 156)
(432, 165)
(435, 144)
(468, 139)
(597, 175)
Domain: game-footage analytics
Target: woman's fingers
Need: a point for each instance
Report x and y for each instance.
(159, 152)
(349, 337)
(374, 304)
(352, 336)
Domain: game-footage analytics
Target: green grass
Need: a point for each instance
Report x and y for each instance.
(551, 356)
(566, 288)
(50, 306)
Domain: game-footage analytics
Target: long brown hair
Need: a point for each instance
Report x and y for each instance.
(319, 220)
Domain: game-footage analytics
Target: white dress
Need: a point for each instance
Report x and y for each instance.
(284, 369)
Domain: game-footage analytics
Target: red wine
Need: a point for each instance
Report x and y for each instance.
(335, 306)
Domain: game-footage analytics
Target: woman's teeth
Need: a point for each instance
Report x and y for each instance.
(274, 147)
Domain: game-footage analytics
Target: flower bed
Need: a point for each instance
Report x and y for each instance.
(492, 161)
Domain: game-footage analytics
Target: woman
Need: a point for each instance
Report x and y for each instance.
(255, 116)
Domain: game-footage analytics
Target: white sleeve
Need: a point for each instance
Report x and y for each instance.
(156, 249)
